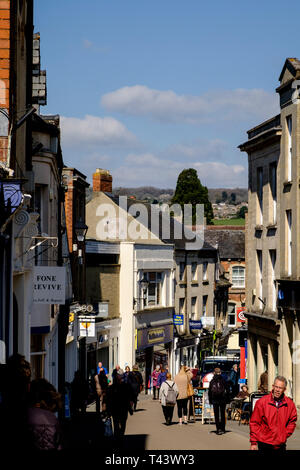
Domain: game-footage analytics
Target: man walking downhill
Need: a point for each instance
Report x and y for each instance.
(218, 394)
(273, 419)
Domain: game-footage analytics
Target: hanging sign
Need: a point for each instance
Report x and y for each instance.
(87, 327)
(49, 283)
(240, 313)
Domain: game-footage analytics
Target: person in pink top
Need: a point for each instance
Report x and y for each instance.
(155, 386)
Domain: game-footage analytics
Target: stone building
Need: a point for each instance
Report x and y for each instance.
(230, 287)
(272, 252)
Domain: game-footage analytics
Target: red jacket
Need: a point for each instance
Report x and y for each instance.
(271, 424)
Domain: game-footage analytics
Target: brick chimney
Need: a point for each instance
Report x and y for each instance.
(102, 181)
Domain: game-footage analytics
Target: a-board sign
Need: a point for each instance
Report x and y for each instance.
(208, 409)
(198, 395)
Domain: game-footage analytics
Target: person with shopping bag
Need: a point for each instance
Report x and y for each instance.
(182, 379)
(168, 393)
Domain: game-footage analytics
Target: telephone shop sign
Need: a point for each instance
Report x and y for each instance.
(49, 283)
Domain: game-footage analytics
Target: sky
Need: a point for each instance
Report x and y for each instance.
(146, 89)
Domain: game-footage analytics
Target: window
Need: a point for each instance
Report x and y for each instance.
(289, 242)
(273, 188)
(153, 291)
(231, 318)
(272, 278)
(238, 276)
(181, 270)
(260, 272)
(193, 308)
(260, 195)
(289, 149)
(181, 306)
(194, 271)
(204, 309)
(205, 264)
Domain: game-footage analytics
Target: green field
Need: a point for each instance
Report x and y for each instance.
(228, 221)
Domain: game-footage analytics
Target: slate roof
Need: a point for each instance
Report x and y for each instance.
(175, 227)
(231, 243)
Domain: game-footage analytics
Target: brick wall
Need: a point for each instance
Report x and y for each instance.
(102, 181)
(4, 72)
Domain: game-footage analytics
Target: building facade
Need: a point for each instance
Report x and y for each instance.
(272, 253)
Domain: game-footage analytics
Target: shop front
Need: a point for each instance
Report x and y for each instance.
(153, 347)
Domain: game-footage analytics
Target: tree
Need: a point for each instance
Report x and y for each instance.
(224, 196)
(189, 190)
(241, 213)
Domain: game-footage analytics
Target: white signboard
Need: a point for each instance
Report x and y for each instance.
(49, 285)
(87, 327)
(208, 321)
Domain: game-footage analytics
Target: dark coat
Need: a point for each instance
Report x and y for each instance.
(217, 399)
(43, 430)
(118, 399)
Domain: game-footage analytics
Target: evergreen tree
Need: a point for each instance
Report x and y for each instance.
(189, 190)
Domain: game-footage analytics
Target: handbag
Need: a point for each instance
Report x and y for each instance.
(108, 432)
(190, 390)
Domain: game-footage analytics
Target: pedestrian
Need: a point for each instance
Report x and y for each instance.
(79, 394)
(273, 419)
(168, 393)
(196, 376)
(119, 401)
(127, 374)
(263, 382)
(219, 395)
(233, 381)
(161, 377)
(99, 367)
(101, 389)
(154, 377)
(114, 372)
(43, 429)
(182, 379)
(15, 387)
(136, 383)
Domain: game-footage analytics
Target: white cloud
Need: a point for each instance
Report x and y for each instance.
(218, 105)
(93, 130)
(149, 169)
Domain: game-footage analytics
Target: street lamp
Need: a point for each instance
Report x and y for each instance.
(80, 229)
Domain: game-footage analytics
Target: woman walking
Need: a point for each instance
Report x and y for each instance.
(182, 379)
(154, 377)
(167, 394)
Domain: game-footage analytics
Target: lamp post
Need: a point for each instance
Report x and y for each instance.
(80, 229)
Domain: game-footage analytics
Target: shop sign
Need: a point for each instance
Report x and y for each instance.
(146, 337)
(87, 326)
(196, 325)
(156, 335)
(178, 319)
(240, 313)
(208, 321)
(49, 283)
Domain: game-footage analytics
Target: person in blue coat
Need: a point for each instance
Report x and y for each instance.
(233, 381)
(99, 367)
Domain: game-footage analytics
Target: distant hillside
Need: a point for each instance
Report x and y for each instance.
(152, 194)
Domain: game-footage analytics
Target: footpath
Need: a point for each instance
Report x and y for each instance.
(146, 430)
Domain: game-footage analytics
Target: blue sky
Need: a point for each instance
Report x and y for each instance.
(146, 89)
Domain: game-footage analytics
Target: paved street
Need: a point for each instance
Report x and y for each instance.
(146, 430)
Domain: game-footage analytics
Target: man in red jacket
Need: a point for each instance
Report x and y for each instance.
(273, 419)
